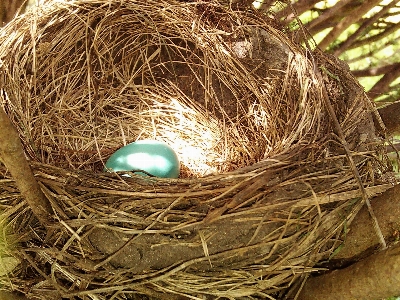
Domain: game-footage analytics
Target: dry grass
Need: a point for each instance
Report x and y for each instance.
(236, 100)
(147, 78)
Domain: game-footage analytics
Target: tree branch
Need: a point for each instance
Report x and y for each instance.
(346, 22)
(372, 52)
(333, 11)
(363, 27)
(375, 71)
(14, 159)
(376, 277)
(360, 237)
(392, 98)
(383, 85)
(376, 37)
(391, 118)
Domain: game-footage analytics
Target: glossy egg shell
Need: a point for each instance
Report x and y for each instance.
(155, 157)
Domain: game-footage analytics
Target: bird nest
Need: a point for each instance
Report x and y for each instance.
(277, 146)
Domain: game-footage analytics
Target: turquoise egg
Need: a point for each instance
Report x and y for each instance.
(154, 157)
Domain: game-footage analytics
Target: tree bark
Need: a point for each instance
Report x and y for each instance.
(14, 159)
(346, 22)
(361, 237)
(376, 277)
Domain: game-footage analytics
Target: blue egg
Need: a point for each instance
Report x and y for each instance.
(154, 157)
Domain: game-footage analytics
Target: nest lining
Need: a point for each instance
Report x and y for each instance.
(81, 78)
(150, 77)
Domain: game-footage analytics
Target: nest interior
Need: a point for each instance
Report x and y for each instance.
(266, 183)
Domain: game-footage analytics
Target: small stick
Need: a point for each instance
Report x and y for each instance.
(353, 167)
(13, 157)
